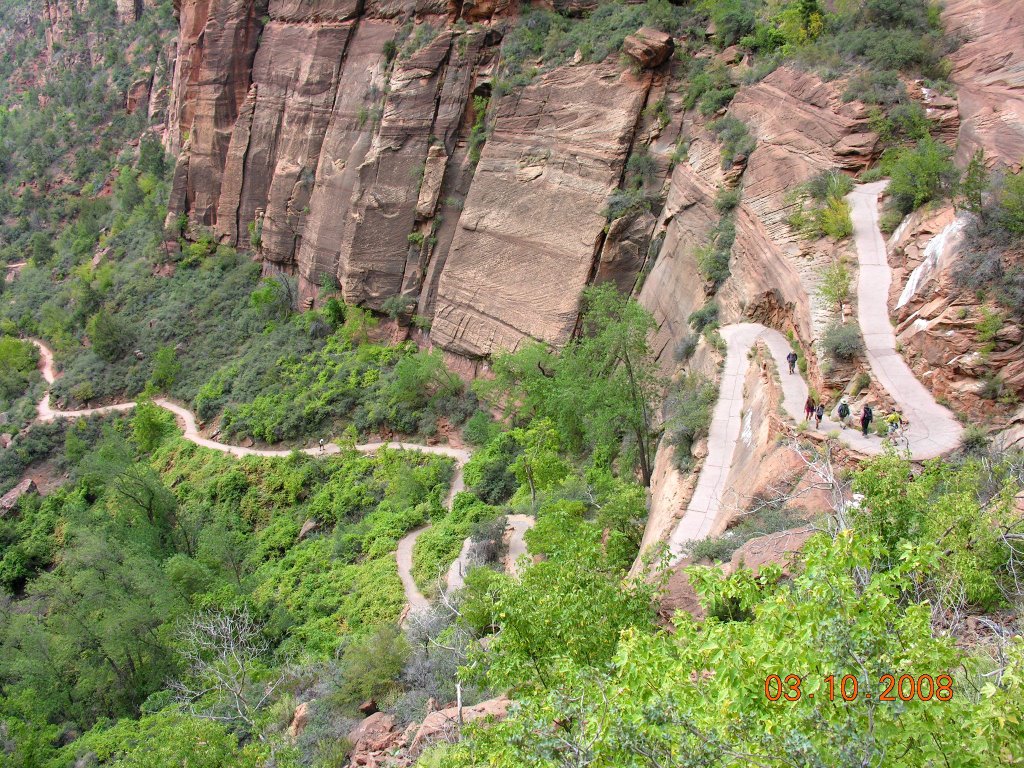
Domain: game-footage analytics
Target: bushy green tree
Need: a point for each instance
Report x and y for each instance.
(111, 336)
(921, 174)
(600, 390)
(165, 368)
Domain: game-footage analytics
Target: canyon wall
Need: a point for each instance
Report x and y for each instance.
(361, 149)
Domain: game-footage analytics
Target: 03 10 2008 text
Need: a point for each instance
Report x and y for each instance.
(888, 688)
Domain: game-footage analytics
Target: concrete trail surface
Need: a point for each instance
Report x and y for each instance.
(931, 429)
(517, 526)
(191, 432)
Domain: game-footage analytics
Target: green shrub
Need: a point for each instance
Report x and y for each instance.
(705, 317)
(18, 361)
(829, 185)
(974, 440)
(737, 143)
(689, 407)
(768, 519)
(842, 341)
(919, 175)
(480, 428)
(623, 202)
(726, 200)
(988, 328)
(835, 285)
(686, 347)
(165, 369)
(873, 86)
(547, 37)
(829, 215)
(1009, 212)
(478, 133)
(713, 258)
(111, 336)
(733, 19)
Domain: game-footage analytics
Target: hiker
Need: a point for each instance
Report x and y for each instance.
(866, 417)
(819, 414)
(895, 421)
(791, 359)
(808, 409)
(844, 413)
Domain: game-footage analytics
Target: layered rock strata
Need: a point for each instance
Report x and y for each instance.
(533, 221)
(988, 70)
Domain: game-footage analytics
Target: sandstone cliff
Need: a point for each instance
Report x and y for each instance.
(381, 175)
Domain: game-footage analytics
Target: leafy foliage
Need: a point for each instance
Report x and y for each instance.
(857, 604)
(919, 175)
(599, 392)
(842, 341)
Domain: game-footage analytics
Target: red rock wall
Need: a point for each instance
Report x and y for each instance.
(216, 46)
(532, 223)
(339, 156)
(988, 71)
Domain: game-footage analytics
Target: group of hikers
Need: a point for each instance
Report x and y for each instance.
(816, 411)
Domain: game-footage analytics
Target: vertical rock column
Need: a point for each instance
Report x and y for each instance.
(275, 146)
(375, 246)
(357, 110)
(217, 43)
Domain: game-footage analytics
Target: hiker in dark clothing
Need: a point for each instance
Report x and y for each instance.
(791, 359)
(844, 413)
(866, 417)
(819, 414)
(808, 409)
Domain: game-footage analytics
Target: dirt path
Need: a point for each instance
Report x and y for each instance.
(518, 526)
(932, 430)
(191, 432)
(413, 596)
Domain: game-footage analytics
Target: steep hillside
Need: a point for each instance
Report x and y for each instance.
(558, 383)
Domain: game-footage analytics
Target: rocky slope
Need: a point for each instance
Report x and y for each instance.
(938, 321)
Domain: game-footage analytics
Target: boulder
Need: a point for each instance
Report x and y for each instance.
(441, 723)
(300, 719)
(368, 707)
(376, 733)
(308, 527)
(773, 548)
(650, 47)
(10, 499)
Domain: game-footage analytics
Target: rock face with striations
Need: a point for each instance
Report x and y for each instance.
(988, 70)
(533, 223)
(379, 176)
(216, 45)
(275, 145)
(802, 127)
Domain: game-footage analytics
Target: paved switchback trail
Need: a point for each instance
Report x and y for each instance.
(932, 430)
